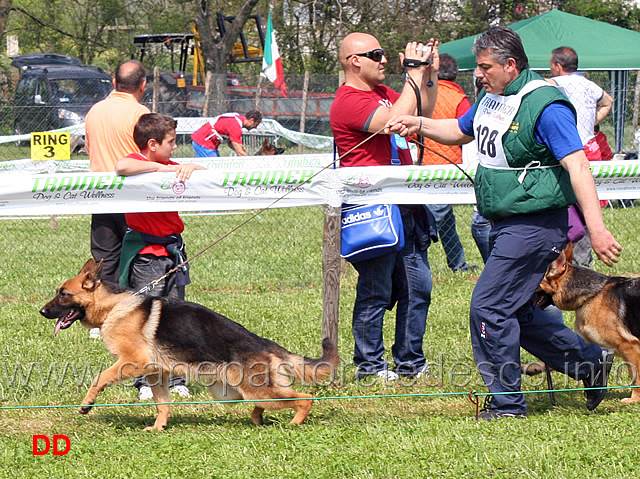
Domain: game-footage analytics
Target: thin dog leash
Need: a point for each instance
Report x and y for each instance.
(152, 284)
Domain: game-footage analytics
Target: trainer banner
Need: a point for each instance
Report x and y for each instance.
(256, 187)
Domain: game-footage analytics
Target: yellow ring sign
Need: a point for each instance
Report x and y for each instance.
(51, 145)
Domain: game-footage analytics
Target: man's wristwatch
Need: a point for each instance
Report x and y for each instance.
(415, 63)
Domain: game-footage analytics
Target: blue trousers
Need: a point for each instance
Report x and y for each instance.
(503, 317)
(446, 221)
(203, 152)
(403, 278)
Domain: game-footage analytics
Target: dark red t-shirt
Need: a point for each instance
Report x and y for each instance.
(163, 223)
(350, 116)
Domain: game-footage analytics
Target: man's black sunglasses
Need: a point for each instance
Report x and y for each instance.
(375, 55)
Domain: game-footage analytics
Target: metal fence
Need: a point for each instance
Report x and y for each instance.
(306, 107)
(621, 216)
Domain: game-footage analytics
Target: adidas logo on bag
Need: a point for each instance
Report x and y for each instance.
(355, 217)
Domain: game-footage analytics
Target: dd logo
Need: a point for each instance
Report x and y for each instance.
(56, 451)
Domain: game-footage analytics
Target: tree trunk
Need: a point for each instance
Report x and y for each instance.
(5, 9)
(216, 50)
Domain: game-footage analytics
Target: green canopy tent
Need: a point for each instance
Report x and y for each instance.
(600, 46)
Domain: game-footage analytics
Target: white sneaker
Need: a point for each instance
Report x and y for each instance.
(94, 333)
(425, 372)
(182, 391)
(145, 393)
(387, 375)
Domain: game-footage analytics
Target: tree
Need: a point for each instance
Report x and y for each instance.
(216, 49)
(622, 13)
(96, 31)
(5, 9)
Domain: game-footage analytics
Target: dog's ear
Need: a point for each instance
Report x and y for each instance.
(92, 276)
(265, 143)
(88, 266)
(557, 266)
(568, 252)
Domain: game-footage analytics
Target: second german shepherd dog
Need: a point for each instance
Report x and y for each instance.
(607, 308)
(269, 149)
(157, 337)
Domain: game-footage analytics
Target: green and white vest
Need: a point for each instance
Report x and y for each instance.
(516, 174)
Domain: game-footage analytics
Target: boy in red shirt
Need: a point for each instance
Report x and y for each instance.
(153, 244)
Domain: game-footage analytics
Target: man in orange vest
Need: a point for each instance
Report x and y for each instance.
(452, 102)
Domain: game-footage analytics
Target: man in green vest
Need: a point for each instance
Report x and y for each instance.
(532, 167)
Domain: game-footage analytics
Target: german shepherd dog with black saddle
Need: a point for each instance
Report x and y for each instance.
(269, 149)
(607, 308)
(159, 337)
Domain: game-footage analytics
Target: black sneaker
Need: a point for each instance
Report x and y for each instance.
(598, 379)
(490, 414)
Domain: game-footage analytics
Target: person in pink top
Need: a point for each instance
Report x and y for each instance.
(224, 128)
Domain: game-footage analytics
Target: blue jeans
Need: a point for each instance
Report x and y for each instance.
(202, 152)
(446, 221)
(480, 228)
(404, 278)
(503, 317)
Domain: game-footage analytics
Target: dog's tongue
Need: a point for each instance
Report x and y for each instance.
(57, 328)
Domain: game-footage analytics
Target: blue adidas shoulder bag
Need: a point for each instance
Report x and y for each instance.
(369, 231)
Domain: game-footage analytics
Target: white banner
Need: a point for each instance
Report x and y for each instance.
(81, 193)
(279, 182)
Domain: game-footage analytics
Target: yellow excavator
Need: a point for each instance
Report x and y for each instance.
(176, 85)
(241, 51)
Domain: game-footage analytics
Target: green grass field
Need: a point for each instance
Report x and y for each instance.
(267, 276)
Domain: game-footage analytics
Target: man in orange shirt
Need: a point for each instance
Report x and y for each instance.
(109, 137)
(452, 103)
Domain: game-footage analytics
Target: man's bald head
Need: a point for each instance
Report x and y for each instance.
(130, 76)
(356, 43)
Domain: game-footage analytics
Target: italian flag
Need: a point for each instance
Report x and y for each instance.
(271, 63)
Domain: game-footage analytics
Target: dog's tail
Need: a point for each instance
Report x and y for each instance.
(311, 371)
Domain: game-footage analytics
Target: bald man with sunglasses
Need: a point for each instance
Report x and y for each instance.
(362, 107)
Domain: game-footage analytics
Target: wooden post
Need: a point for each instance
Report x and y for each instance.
(156, 90)
(303, 113)
(331, 267)
(207, 94)
(636, 105)
(13, 47)
(331, 272)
